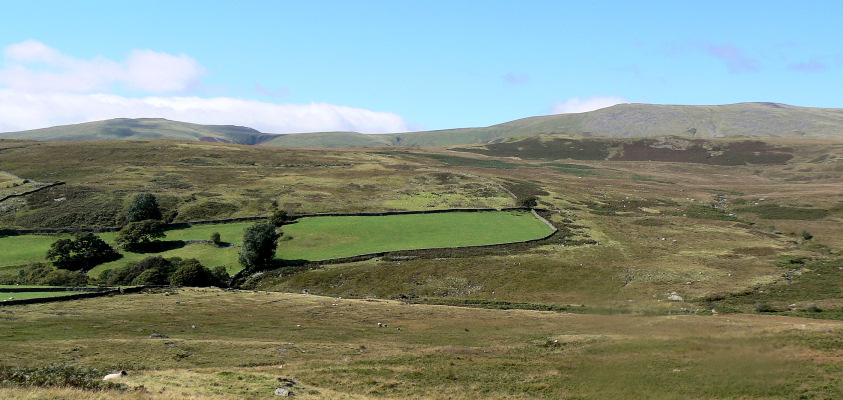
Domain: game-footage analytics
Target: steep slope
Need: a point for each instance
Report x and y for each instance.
(141, 128)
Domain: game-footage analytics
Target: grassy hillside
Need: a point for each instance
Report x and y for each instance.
(142, 128)
(751, 120)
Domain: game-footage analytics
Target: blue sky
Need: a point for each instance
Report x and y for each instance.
(294, 66)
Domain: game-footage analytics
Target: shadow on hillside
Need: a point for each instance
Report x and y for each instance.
(156, 247)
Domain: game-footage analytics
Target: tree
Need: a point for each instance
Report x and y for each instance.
(144, 206)
(81, 254)
(259, 243)
(279, 218)
(142, 232)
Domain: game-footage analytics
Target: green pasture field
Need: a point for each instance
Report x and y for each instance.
(320, 238)
(316, 238)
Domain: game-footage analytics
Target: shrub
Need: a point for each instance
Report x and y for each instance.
(215, 239)
(807, 235)
(279, 218)
(127, 274)
(528, 201)
(761, 306)
(61, 277)
(191, 273)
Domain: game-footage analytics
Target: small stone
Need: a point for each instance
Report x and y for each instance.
(675, 297)
(158, 336)
(282, 392)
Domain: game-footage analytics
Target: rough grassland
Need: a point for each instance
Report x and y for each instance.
(321, 238)
(227, 345)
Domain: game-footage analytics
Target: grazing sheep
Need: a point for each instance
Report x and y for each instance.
(116, 375)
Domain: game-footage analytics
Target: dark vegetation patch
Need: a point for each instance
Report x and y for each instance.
(457, 161)
(804, 282)
(535, 148)
(57, 375)
(522, 188)
(703, 152)
(613, 207)
(776, 211)
(574, 169)
(709, 211)
(68, 206)
(651, 221)
(206, 210)
(171, 181)
(511, 305)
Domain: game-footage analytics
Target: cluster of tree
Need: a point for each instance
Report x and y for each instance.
(158, 270)
(82, 253)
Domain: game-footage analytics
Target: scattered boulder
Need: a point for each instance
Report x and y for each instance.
(155, 335)
(283, 392)
(675, 297)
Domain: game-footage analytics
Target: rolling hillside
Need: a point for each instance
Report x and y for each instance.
(748, 120)
(141, 128)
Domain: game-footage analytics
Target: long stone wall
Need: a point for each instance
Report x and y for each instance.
(76, 296)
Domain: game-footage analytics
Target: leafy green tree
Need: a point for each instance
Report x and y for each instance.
(142, 232)
(279, 218)
(259, 243)
(144, 206)
(82, 253)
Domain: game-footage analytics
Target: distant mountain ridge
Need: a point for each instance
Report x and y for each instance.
(755, 120)
(141, 128)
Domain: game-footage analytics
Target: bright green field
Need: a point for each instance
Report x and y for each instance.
(317, 238)
(320, 238)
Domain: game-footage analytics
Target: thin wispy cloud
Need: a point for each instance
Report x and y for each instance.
(271, 92)
(577, 105)
(40, 87)
(733, 57)
(808, 66)
(516, 79)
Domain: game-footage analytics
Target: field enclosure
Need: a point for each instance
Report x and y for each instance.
(317, 238)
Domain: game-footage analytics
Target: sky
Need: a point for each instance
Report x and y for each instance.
(402, 65)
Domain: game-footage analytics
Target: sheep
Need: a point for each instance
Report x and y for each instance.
(116, 375)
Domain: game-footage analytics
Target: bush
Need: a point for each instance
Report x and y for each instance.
(761, 306)
(215, 239)
(528, 201)
(82, 253)
(191, 273)
(143, 207)
(43, 274)
(127, 274)
(807, 235)
(279, 218)
(259, 243)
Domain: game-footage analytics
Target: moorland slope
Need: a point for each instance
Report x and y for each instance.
(743, 120)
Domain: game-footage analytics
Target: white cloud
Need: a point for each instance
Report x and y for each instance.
(34, 66)
(41, 87)
(21, 111)
(577, 105)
